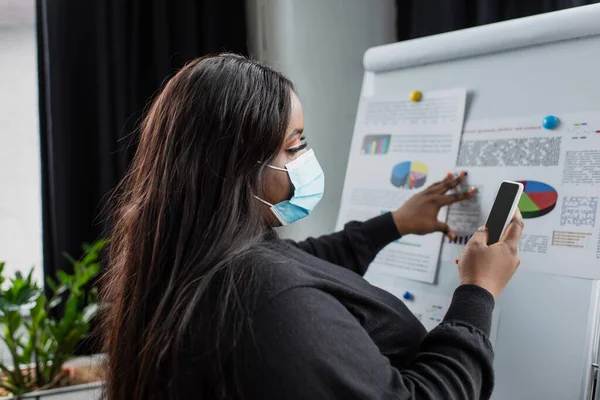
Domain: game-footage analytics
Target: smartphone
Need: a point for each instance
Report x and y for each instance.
(503, 209)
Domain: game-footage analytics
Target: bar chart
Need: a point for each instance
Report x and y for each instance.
(460, 239)
(375, 144)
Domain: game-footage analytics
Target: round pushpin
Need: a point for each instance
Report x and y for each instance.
(550, 122)
(415, 96)
(407, 296)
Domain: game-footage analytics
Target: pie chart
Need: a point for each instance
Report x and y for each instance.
(409, 175)
(538, 199)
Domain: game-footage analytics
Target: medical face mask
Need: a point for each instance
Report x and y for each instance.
(309, 184)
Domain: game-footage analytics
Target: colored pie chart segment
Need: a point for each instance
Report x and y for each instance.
(538, 199)
(409, 175)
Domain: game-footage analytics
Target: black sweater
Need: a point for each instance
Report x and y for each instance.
(320, 331)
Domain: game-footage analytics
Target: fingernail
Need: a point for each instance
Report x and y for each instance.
(473, 189)
(449, 175)
(451, 236)
(466, 173)
(457, 261)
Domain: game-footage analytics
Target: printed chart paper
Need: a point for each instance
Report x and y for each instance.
(399, 148)
(429, 308)
(560, 170)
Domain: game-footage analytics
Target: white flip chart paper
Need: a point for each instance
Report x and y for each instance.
(560, 169)
(399, 148)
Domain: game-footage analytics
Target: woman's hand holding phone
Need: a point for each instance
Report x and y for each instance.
(491, 267)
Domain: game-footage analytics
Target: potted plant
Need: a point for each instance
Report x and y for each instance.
(38, 339)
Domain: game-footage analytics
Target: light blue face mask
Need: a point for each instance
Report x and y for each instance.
(309, 184)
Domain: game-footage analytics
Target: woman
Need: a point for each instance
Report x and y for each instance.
(208, 303)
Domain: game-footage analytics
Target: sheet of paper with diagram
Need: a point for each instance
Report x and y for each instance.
(560, 170)
(400, 147)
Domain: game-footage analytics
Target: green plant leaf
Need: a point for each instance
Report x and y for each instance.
(20, 298)
(27, 297)
(14, 321)
(60, 290)
(92, 252)
(1, 271)
(88, 273)
(43, 339)
(70, 312)
(38, 313)
(54, 330)
(90, 257)
(71, 260)
(89, 312)
(52, 284)
(6, 306)
(65, 278)
(56, 301)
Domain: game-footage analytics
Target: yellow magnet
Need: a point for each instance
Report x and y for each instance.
(415, 95)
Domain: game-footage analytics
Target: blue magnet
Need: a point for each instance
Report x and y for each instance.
(550, 122)
(407, 296)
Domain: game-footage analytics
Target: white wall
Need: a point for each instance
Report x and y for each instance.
(319, 45)
(20, 193)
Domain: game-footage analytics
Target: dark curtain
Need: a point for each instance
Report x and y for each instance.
(417, 18)
(100, 62)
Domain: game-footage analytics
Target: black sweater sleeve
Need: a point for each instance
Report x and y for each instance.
(307, 345)
(356, 246)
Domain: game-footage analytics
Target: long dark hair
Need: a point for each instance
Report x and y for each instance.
(185, 218)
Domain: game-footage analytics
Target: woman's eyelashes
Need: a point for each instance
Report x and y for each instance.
(303, 144)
